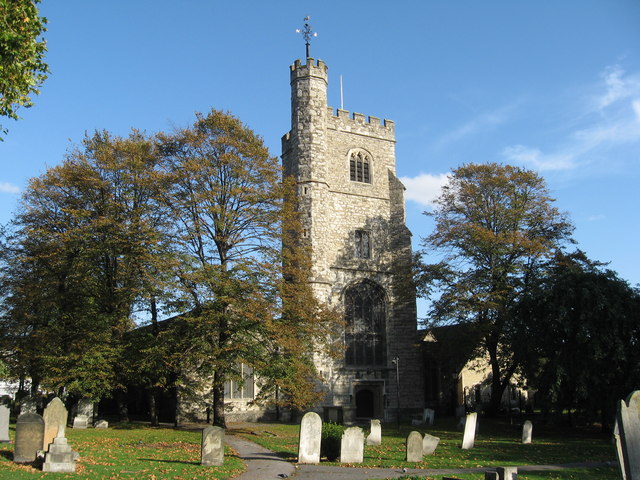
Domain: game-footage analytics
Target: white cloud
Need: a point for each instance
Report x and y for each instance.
(424, 188)
(596, 218)
(538, 160)
(618, 86)
(636, 108)
(6, 187)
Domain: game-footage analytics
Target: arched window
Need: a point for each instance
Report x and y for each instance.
(365, 314)
(360, 167)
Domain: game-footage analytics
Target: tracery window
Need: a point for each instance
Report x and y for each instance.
(362, 244)
(360, 167)
(365, 317)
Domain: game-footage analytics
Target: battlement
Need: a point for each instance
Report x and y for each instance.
(313, 68)
(342, 120)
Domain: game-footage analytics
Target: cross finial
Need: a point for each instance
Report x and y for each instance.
(307, 33)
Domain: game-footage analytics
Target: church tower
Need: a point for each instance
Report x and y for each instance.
(354, 221)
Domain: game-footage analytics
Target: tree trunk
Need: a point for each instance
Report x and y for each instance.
(153, 408)
(123, 409)
(218, 401)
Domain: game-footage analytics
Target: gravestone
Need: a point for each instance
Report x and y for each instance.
(468, 439)
(352, 445)
(375, 436)
(414, 447)
(28, 405)
(80, 421)
(85, 407)
(429, 444)
(102, 424)
(212, 446)
(29, 435)
(628, 419)
(619, 452)
(4, 423)
(55, 421)
(507, 473)
(310, 437)
(429, 416)
(527, 430)
(59, 457)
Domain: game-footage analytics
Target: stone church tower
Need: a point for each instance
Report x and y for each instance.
(354, 221)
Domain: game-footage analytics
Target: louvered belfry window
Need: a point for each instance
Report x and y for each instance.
(365, 316)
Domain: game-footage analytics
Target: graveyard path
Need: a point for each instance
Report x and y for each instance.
(263, 464)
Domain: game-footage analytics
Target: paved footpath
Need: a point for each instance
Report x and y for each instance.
(263, 464)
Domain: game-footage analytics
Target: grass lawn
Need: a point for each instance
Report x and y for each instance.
(128, 452)
(497, 444)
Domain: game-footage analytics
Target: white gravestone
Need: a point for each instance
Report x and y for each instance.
(4, 423)
(352, 445)
(310, 438)
(85, 407)
(628, 419)
(80, 421)
(429, 444)
(527, 430)
(55, 421)
(507, 473)
(212, 446)
(414, 447)
(375, 436)
(469, 437)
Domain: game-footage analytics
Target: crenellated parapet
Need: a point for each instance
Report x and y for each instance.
(344, 121)
(313, 68)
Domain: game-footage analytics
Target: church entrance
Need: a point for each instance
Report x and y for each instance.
(368, 398)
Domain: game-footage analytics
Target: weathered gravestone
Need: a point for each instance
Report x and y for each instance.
(429, 444)
(102, 424)
(507, 473)
(352, 445)
(55, 421)
(619, 452)
(4, 423)
(414, 447)
(310, 437)
(628, 419)
(212, 446)
(375, 436)
(527, 430)
(59, 457)
(80, 421)
(29, 435)
(469, 436)
(85, 407)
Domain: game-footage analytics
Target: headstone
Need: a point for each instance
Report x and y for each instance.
(352, 445)
(414, 447)
(80, 421)
(310, 438)
(212, 446)
(490, 475)
(59, 457)
(4, 423)
(85, 407)
(429, 444)
(55, 421)
(628, 419)
(468, 439)
(507, 473)
(527, 429)
(619, 452)
(29, 435)
(28, 405)
(102, 424)
(429, 416)
(375, 436)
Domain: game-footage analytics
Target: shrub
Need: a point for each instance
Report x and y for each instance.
(331, 438)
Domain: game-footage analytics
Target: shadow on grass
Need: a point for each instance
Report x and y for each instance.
(8, 454)
(167, 461)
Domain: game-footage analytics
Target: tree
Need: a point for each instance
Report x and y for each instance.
(496, 224)
(576, 334)
(22, 66)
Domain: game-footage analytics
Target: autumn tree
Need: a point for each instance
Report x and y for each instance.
(22, 66)
(576, 334)
(494, 224)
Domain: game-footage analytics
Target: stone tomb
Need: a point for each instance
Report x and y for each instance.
(212, 446)
(469, 437)
(375, 436)
(429, 444)
(4, 423)
(527, 430)
(414, 447)
(310, 438)
(55, 421)
(628, 420)
(352, 445)
(29, 436)
(60, 457)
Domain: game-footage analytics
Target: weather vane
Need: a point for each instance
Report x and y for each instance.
(307, 33)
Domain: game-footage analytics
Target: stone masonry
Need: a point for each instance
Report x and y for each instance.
(317, 152)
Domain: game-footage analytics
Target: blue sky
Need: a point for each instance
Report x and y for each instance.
(553, 86)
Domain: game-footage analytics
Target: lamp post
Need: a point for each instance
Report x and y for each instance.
(396, 362)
